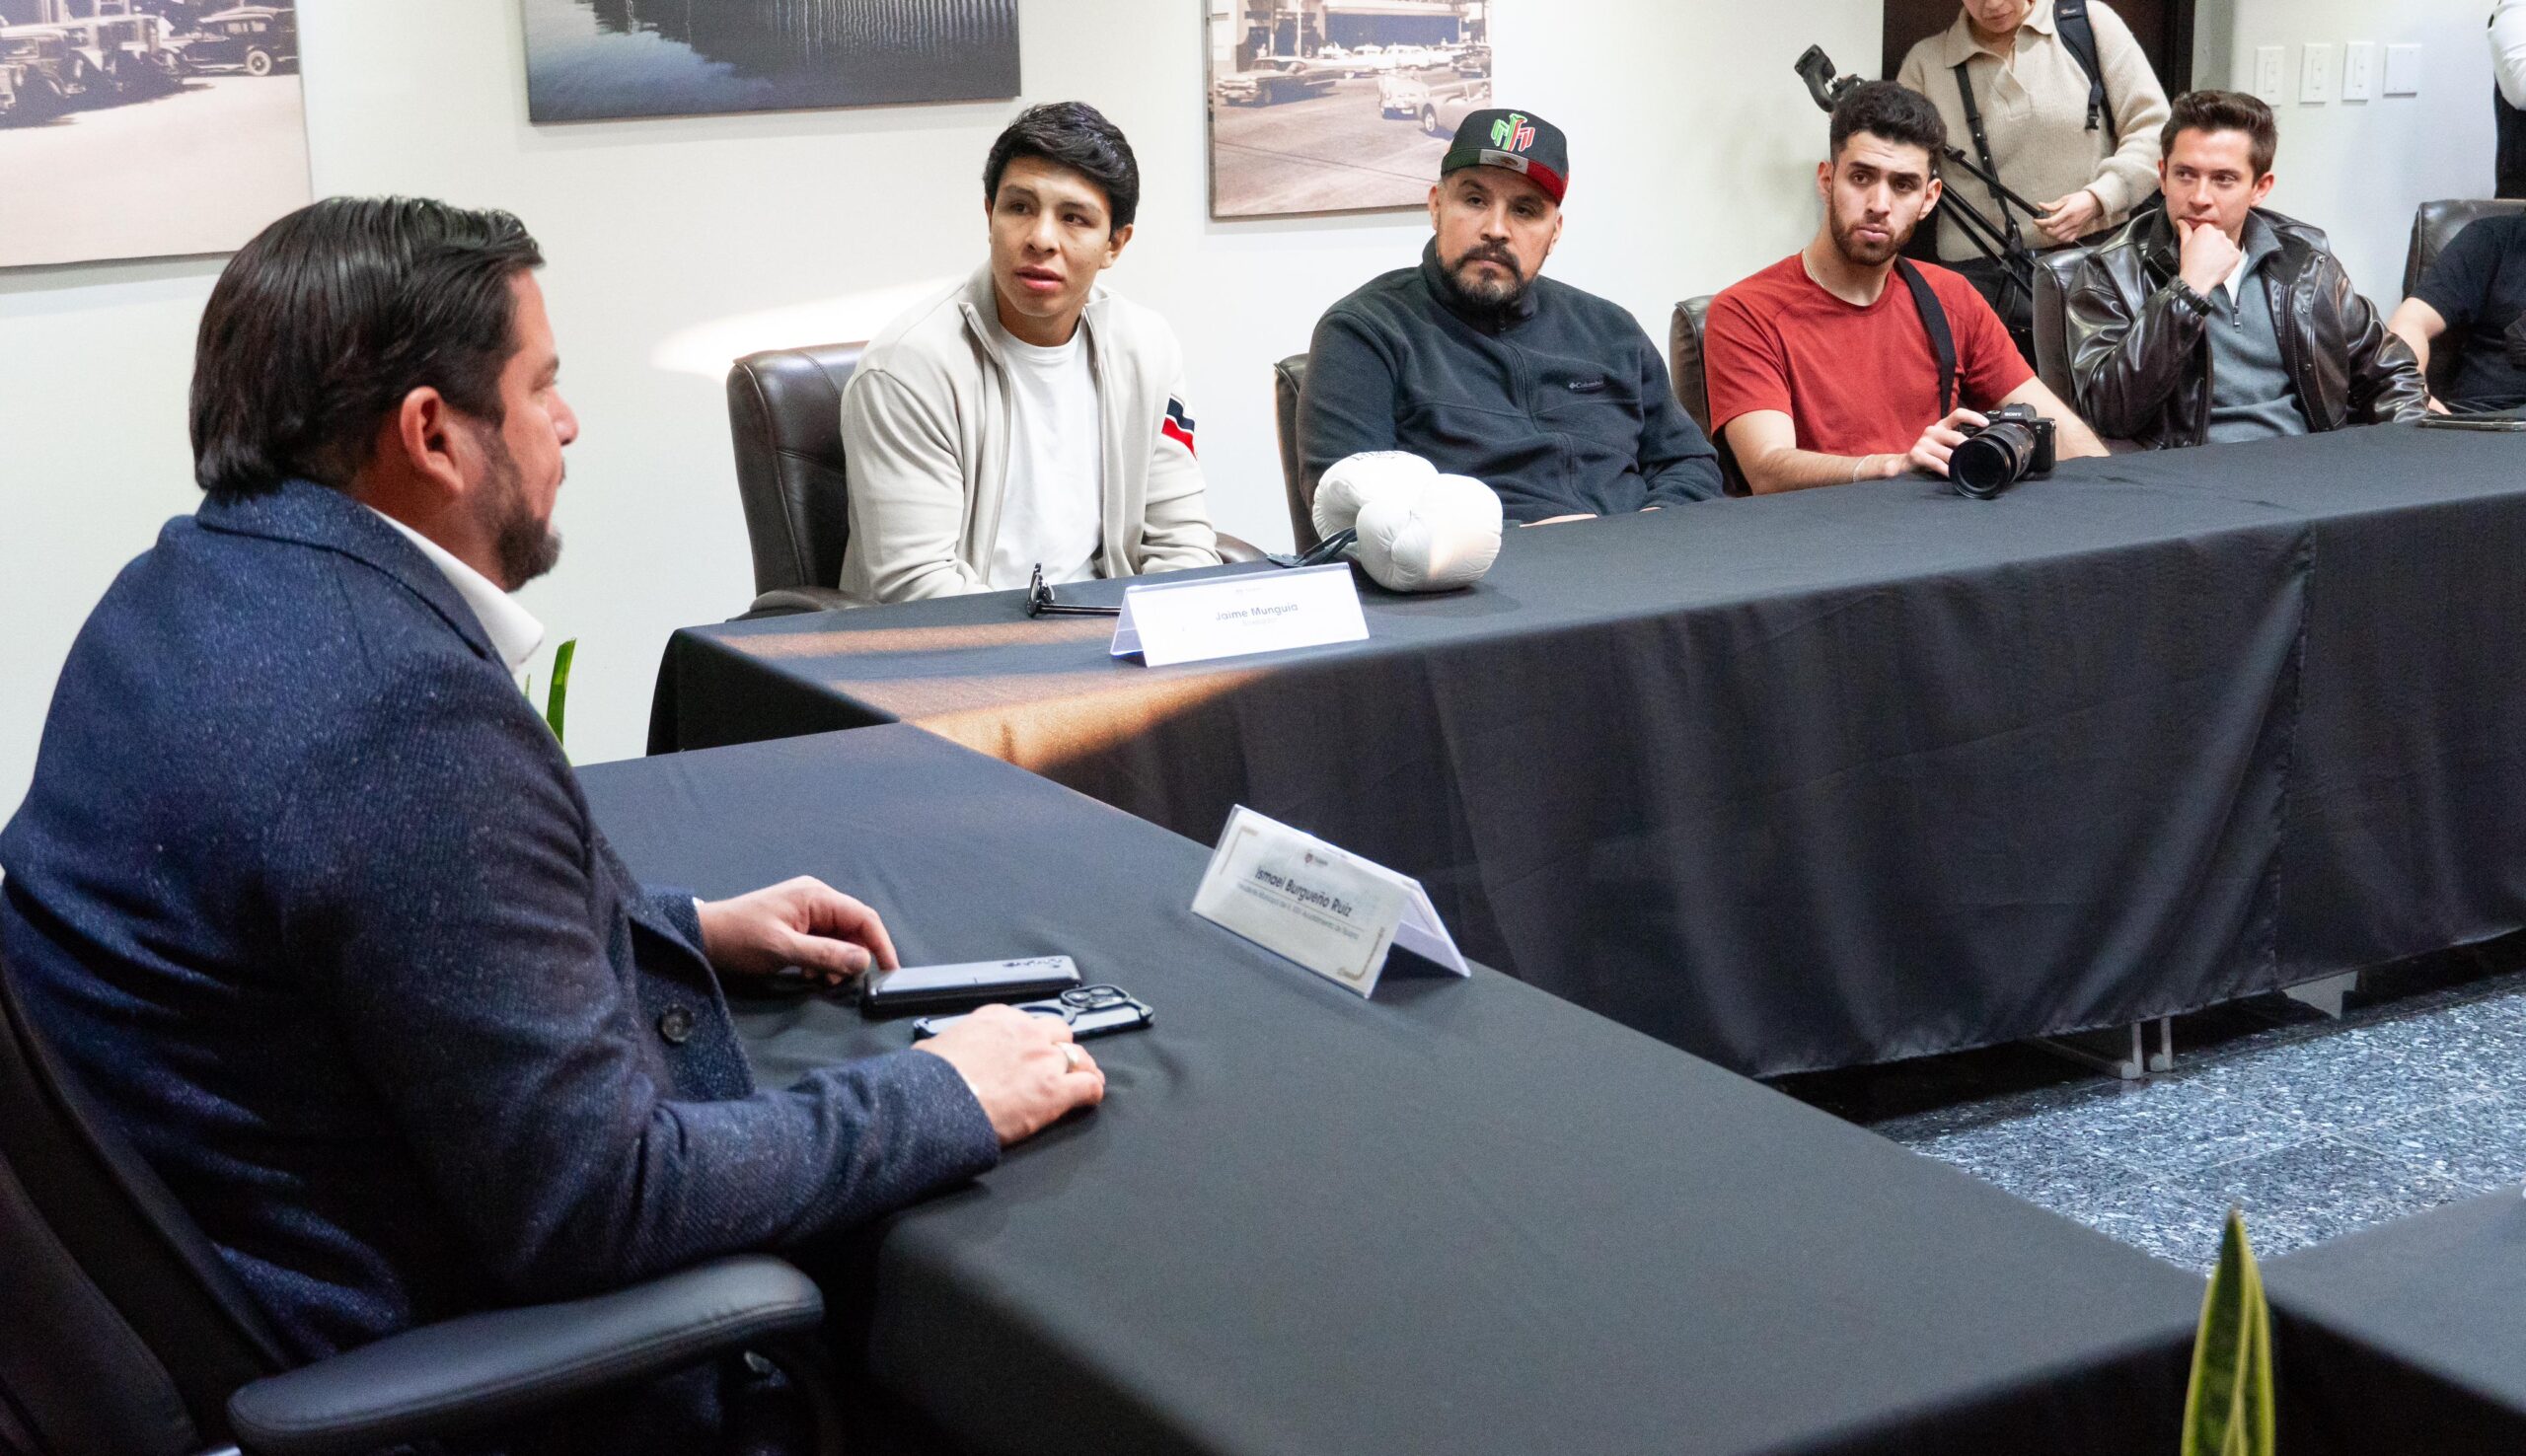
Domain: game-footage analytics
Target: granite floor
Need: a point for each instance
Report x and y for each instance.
(2415, 1096)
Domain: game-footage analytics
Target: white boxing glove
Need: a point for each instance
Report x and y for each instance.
(1439, 537)
(1357, 479)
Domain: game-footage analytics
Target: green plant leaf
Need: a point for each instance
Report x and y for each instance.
(554, 704)
(2228, 1410)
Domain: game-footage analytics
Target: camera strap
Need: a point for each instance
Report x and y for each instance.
(1982, 151)
(1942, 338)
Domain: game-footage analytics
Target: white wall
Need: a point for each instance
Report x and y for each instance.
(2359, 170)
(676, 244)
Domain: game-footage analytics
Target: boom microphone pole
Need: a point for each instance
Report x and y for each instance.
(2017, 264)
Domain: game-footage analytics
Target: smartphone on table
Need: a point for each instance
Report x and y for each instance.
(1091, 1010)
(965, 984)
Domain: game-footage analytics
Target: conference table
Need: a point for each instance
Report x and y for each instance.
(1840, 776)
(2407, 1336)
(1461, 1217)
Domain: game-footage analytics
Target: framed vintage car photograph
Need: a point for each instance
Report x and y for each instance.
(1338, 105)
(146, 128)
(599, 60)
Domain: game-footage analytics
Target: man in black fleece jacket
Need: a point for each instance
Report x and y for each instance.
(1552, 397)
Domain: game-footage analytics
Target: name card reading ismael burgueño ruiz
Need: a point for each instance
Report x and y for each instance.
(1232, 615)
(1326, 908)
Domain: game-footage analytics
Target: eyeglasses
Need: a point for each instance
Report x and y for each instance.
(1094, 1010)
(1090, 1010)
(1040, 601)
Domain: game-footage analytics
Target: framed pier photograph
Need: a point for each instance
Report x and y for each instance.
(600, 60)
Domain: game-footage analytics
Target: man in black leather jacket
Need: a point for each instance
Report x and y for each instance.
(2216, 321)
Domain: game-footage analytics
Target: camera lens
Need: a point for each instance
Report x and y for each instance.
(1991, 462)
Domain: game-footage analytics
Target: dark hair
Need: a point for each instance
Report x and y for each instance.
(2225, 110)
(1890, 112)
(1075, 136)
(319, 327)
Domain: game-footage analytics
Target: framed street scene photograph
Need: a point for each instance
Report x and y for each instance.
(146, 128)
(599, 60)
(1338, 105)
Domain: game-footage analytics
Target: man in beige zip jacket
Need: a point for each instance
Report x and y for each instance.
(1027, 419)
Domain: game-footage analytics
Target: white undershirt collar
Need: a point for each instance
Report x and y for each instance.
(2236, 276)
(513, 630)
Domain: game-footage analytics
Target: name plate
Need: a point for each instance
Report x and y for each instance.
(1326, 908)
(1232, 615)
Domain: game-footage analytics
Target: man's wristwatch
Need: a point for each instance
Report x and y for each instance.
(2190, 298)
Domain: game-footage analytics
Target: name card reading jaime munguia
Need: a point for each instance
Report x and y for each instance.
(1232, 615)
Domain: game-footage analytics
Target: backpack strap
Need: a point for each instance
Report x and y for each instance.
(2078, 33)
(1942, 338)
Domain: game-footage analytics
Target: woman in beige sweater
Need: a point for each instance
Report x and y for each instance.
(2034, 97)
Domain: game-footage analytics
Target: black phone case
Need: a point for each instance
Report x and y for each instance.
(1128, 1014)
(876, 1000)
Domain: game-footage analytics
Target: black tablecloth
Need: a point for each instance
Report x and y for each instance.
(2406, 803)
(1845, 776)
(1465, 1217)
(2407, 1336)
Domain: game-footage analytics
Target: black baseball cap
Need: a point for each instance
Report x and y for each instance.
(1516, 140)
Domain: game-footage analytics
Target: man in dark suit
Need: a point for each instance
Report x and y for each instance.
(308, 897)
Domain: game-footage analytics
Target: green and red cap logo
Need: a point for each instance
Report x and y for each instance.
(1515, 141)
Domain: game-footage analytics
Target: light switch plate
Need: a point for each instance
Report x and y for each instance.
(2315, 74)
(2403, 70)
(2270, 73)
(2359, 71)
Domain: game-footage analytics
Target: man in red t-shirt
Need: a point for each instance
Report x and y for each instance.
(1822, 371)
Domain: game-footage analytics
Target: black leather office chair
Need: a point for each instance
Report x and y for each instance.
(2433, 227)
(1288, 381)
(784, 416)
(2054, 273)
(1688, 374)
(121, 1330)
(1685, 359)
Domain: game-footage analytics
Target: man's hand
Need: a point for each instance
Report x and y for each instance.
(1027, 1071)
(1557, 520)
(1940, 440)
(2208, 256)
(802, 923)
(2068, 219)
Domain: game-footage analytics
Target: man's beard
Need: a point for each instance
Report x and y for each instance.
(1493, 304)
(526, 547)
(1866, 255)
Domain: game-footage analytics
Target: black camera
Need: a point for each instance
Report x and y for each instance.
(2016, 444)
